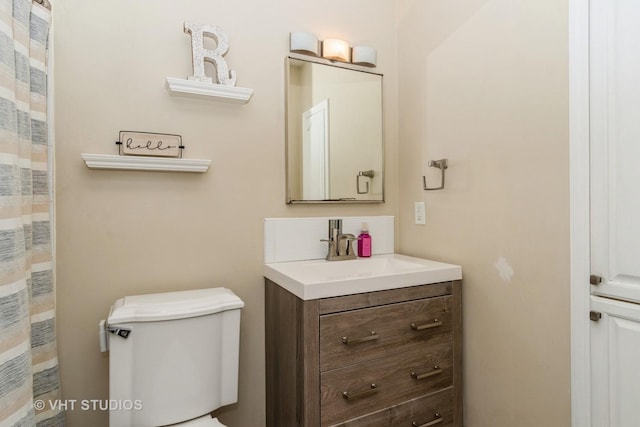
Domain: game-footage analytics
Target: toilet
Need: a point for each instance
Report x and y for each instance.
(173, 357)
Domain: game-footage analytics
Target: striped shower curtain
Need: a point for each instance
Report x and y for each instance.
(29, 381)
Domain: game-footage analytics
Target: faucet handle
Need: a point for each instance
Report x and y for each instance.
(346, 247)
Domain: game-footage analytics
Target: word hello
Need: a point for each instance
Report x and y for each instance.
(150, 145)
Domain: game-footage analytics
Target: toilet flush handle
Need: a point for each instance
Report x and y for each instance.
(121, 332)
(104, 338)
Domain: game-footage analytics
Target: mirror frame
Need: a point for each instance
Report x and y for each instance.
(321, 61)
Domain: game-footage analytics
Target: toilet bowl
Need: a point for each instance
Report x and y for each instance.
(206, 421)
(175, 355)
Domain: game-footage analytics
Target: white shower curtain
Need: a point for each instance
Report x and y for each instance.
(29, 381)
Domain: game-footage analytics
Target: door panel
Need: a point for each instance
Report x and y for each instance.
(615, 147)
(315, 152)
(615, 344)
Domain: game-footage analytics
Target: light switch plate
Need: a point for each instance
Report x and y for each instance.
(420, 213)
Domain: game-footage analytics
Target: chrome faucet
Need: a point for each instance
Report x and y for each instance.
(340, 245)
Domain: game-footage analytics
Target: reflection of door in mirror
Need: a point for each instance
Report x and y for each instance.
(334, 131)
(315, 152)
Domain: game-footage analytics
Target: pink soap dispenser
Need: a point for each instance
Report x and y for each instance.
(364, 241)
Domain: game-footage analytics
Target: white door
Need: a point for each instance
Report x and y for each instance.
(615, 212)
(315, 152)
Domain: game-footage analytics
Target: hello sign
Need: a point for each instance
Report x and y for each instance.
(150, 144)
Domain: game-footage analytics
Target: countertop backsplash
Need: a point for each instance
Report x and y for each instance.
(297, 239)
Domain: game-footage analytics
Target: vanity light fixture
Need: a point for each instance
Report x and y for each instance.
(364, 55)
(303, 42)
(332, 49)
(336, 50)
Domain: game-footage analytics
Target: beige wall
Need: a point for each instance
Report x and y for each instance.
(122, 233)
(484, 83)
(481, 82)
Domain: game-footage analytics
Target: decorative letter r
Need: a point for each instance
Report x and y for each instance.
(200, 54)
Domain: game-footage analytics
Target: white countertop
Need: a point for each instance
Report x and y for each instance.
(313, 279)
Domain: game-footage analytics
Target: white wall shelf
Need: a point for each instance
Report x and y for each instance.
(232, 94)
(138, 163)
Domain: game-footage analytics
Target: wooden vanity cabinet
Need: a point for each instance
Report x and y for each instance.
(377, 359)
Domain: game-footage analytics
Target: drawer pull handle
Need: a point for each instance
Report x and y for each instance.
(433, 324)
(372, 337)
(436, 370)
(351, 396)
(437, 420)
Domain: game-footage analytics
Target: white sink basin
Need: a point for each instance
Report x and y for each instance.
(321, 279)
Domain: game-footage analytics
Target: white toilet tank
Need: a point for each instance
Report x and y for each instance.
(173, 356)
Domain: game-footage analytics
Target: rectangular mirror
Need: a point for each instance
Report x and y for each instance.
(335, 149)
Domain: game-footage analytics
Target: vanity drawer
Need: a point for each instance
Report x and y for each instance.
(366, 334)
(359, 389)
(433, 410)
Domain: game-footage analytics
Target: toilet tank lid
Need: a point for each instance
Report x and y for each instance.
(173, 305)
